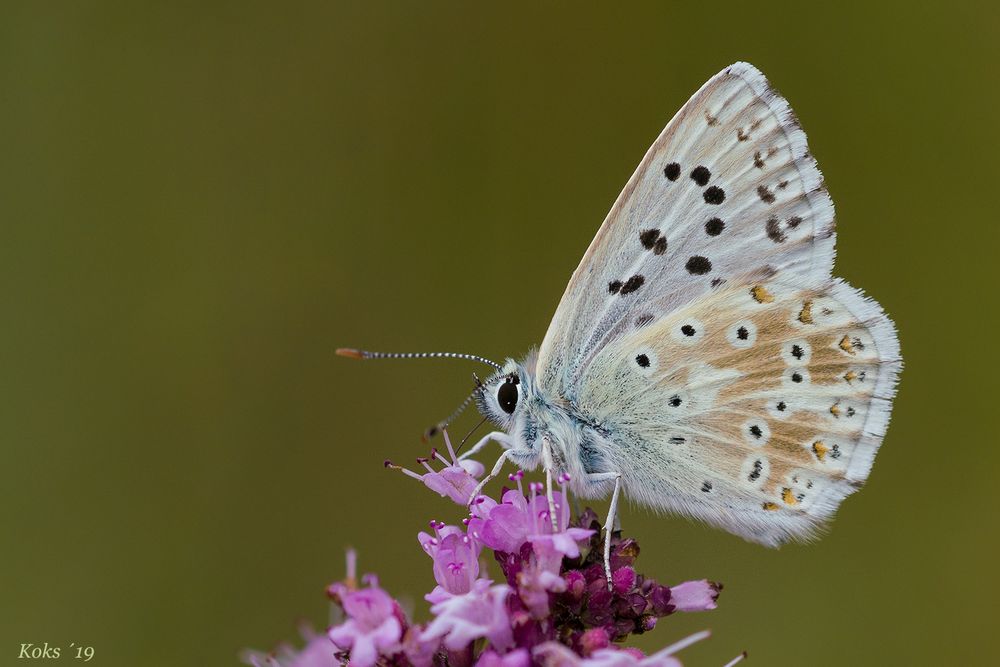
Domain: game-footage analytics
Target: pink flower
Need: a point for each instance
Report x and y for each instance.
(555, 609)
(371, 627)
(553, 654)
(457, 480)
(456, 561)
(538, 578)
(609, 657)
(505, 527)
(518, 658)
(480, 613)
(319, 651)
(697, 595)
(561, 537)
(418, 651)
(593, 639)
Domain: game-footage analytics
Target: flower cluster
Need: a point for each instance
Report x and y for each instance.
(555, 606)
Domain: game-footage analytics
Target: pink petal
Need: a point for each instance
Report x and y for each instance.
(440, 484)
(517, 658)
(388, 633)
(363, 653)
(474, 468)
(697, 595)
(505, 529)
(611, 657)
(438, 595)
(428, 542)
(343, 635)
(554, 654)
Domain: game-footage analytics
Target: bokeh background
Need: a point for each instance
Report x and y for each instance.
(201, 200)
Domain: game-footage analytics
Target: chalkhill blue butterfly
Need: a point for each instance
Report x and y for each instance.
(702, 359)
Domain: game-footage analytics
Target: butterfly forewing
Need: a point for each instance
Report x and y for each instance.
(728, 188)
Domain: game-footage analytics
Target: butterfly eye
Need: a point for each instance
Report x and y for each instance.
(507, 396)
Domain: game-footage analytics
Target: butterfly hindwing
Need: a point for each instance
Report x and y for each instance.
(757, 408)
(727, 189)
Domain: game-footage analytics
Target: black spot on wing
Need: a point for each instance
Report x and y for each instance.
(701, 175)
(672, 171)
(649, 237)
(652, 240)
(698, 265)
(714, 195)
(632, 284)
(714, 227)
(773, 229)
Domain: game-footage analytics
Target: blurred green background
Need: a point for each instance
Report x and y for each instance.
(200, 201)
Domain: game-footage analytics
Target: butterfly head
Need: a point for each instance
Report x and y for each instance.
(503, 396)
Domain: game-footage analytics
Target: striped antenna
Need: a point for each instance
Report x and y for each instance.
(365, 354)
(444, 423)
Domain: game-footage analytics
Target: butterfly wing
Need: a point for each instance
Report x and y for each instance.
(727, 189)
(757, 408)
(735, 380)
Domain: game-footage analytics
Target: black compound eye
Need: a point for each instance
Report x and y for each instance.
(507, 397)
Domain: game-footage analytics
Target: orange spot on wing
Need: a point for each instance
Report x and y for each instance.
(846, 345)
(805, 315)
(820, 450)
(761, 295)
(788, 497)
(769, 506)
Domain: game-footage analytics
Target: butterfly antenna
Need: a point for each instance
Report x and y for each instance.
(365, 354)
(443, 424)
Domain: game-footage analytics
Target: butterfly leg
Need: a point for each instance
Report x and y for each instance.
(493, 473)
(547, 459)
(609, 524)
(499, 437)
(552, 501)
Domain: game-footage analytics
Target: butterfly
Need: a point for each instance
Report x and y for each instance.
(702, 360)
